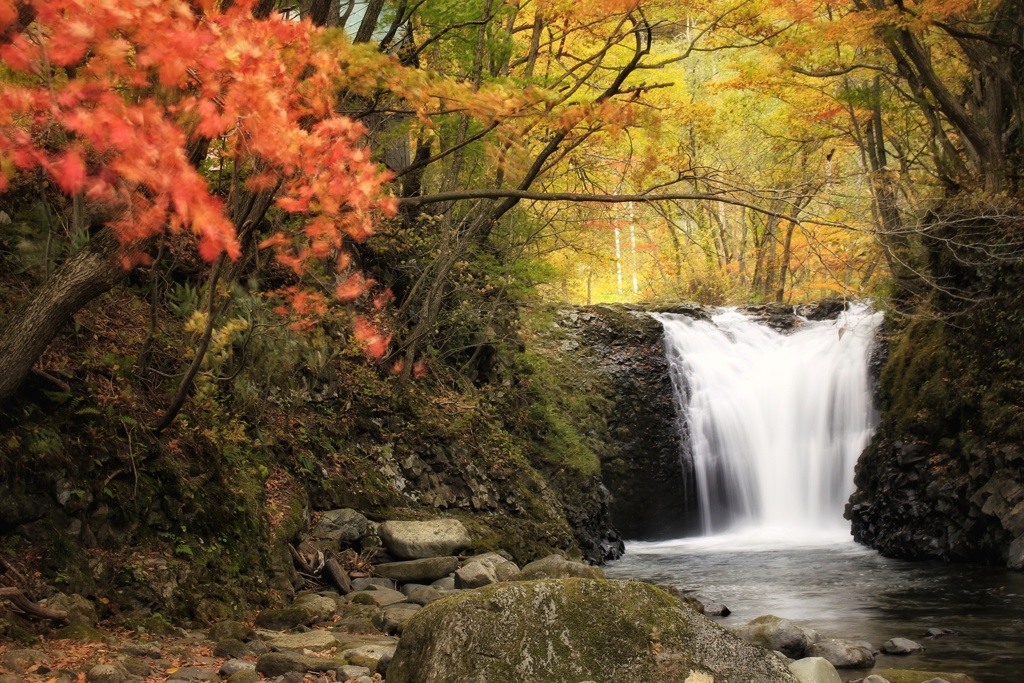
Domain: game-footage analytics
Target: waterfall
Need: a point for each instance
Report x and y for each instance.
(775, 422)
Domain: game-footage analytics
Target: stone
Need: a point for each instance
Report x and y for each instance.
(369, 655)
(107, 673)
(194, 673)
(20, 661)
(572, 630)
(284, 619)
(231, 647)
(901, 646)
(775, 633)
(417, 540)
(347, 672)
(381, 597)
(557, 567)
(874, 678)
(244, 676)
(424, 595)
(409, 588)
(1015, 554)
(713, 608)
(313, 640)
(362, 584)
(395, 616)
(151, 650)
(80, 610)
(322, 606)
(357, 619)
(280, 663)
(475, 575)
(427, 569)
(88, 634)
(843, 654)
(814, 670)
(137, 668)
(909, 676)
(345, 526)
(447, 583)
(503, 567)
(232, 666)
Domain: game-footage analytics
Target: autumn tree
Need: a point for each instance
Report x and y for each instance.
(120, 104)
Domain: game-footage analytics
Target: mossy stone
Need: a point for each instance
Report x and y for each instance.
(244, 676)
(283, 619)
(81, 632)
(224, 630)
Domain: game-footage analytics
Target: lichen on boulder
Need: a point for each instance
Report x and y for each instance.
(553, 631)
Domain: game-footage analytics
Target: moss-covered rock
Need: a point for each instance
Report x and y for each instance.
(284, 619)
(554, 631)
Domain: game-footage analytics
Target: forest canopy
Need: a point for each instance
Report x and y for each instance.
(412, 169)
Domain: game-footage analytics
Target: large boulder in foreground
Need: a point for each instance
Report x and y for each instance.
(570, 630)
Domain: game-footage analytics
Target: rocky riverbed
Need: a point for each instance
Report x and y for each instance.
(431, 613)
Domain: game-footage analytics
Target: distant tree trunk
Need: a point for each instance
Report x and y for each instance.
(369, 23)
(89, 273)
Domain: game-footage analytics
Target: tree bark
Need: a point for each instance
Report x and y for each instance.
(89, 273)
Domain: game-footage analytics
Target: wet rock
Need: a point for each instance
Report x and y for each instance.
(427, 569)
(417, 540)
(363, 584)
(901, 646)
(344, 525)
(814, 670)
(223, 630)
(557, 567)
(571, 630)
(284, 619)
(939, 632)
(874, 678)
(843, 654)
(713, 608)
(775, 633)
(475, 575)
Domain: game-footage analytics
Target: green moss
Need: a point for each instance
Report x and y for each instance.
(12, 631)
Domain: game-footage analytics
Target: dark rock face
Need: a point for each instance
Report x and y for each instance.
(651, 496)
(943, 476)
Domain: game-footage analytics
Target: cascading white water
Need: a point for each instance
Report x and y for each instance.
(775, 421)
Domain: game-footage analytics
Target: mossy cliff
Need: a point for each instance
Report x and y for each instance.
(944, 475)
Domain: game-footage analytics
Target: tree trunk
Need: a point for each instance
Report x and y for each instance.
(89, 273)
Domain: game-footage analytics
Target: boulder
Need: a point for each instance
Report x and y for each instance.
(80, 610)
(417, 540)
(371, 654)
(427, 569)
(424, 595)
(901, 646)
(503, 567)
(107, 673)
(313, 640)
(557, 567)
(243, 676)
(571, 630)
(382, 597)
(843, 654)
(232, 666)
(475, 575)
(320, 605)
(395, 616)
(223, 630)
(447, 583)
(345, 526)
(194, 673)
(362, 584)
(775, 633)
(231, 648)
(280, 663)
(814, 670)
(349, 672)
(20, 661)
(284, 619)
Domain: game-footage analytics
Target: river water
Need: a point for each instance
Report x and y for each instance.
(843, 590)
(775, 423)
